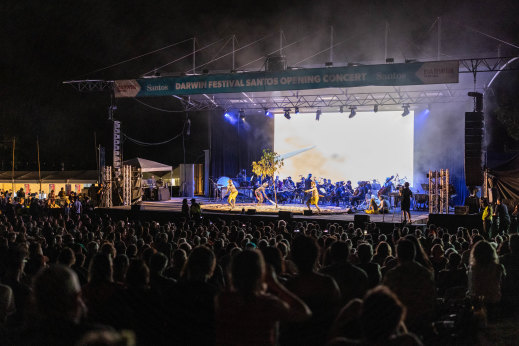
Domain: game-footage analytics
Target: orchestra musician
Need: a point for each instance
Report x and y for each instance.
(314, 199)
(233, 193)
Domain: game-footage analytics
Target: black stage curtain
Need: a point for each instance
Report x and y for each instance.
(507, 179)
(235, 146)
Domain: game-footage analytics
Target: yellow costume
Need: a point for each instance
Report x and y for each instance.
(315, 197)
(373, 207)
(233, 193)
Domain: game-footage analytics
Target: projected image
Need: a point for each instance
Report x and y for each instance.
(368, 146)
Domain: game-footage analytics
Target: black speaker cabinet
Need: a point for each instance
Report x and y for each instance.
(360, 220)
(307, 212)
(285, 215)
(136, 208)
(473, 148)
(251, 211)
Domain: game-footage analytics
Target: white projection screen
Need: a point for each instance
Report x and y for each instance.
(366, 147)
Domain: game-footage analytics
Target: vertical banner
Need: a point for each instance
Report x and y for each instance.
(78, 188)
(27, 189)
(52, 187)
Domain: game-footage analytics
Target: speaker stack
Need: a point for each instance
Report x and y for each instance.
(473, 148)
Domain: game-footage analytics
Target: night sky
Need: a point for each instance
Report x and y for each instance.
(46, 42)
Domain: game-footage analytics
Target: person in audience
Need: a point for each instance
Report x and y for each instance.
(248, 305)
(414, 286)
(511, 283)
(352, 281)
(319, 291)
(372, 269)
(59, 310)
(381, 318)
(485, 274)
(453, 276)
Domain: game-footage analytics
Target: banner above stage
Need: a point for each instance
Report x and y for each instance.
(417, 73)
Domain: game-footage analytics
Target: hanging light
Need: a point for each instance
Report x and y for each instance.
(353, 111)
(296, 110)
(287, 113)
(341, 109)
(318, 114)
(267, 113)
(375, 108)
(406, 110)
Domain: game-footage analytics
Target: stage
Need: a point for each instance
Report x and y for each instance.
(211, 208)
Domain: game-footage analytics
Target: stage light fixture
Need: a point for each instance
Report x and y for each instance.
(341, 109)
(375, 108)
(242, 115)
(353, 111)
(406, 110)
(267, 113)
(318, 115)
(296, 110)
(287, 113)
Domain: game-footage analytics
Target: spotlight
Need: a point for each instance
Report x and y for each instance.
(242, 115)
(375, 108)
(406, 110)
(296, 110)
(318, 115)
(341, 109)
(353, 111)
(267, 113)
(287, 113)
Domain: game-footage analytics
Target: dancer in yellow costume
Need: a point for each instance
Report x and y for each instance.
(373, 207)
(231, 189)
(315, 197)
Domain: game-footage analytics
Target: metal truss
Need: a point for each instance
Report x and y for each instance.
(91, 85)
(333, 99)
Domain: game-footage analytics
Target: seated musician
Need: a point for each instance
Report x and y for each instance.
(348, 188)
(384, 205)
(373, 207)
(290, 185)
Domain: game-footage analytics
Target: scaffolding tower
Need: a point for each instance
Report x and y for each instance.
(439, 191)
(127, 184)
(106, 195)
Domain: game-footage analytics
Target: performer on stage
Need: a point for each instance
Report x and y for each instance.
(233, 192)
(405, 205)
(260, 193)
(373, 207)
(314, 199)
(384, 205)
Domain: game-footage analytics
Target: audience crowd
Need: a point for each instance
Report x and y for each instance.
(83, 278)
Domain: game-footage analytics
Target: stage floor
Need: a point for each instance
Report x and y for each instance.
(332, 213)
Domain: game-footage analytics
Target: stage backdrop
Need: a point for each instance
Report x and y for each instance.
(365, 147)
(236, 143)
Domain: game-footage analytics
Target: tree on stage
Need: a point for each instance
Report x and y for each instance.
(267, 166)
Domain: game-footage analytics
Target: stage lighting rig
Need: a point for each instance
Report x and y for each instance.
(287, 113)
(318, 115)
(341, 109)
(406, 110)
(296, 110)
(242, 115)
(267, 113)
(375, 108)
(353, 111)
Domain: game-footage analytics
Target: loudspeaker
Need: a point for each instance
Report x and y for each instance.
(285, 215)
(251, 211)
(461, 210)
(307, 212)
(136, 207)
(361, 220)
(473, 148)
